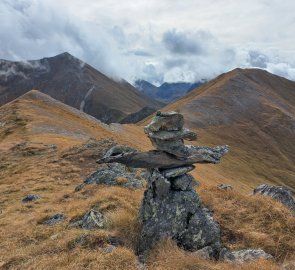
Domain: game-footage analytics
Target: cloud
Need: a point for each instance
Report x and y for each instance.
(181, 43)
(152, 40)
(257, 59)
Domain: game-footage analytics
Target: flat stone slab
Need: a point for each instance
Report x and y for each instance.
(184, 134)
(169, 173)
(160, 159)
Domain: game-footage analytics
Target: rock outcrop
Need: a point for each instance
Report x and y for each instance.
(279, 193)
(116, 174)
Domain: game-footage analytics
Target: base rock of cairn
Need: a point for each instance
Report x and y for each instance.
(171, 208)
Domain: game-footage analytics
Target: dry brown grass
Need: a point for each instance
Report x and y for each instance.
(252, 222)
(26, 244)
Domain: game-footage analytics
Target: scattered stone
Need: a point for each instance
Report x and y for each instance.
(224, 187)
(54, 219)
(279, 193)
(205, 253)
(111, 175)
(31, 198)
(93, 219)
(244, 255)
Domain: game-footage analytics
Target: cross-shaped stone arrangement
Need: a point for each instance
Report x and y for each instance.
(171, 207)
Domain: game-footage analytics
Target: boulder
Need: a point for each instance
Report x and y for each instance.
(279, 193)
(168, 121)
(179, 215)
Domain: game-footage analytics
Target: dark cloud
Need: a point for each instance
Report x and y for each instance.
(127, 41)
(258, 59)
(171, 63)
(181, 43)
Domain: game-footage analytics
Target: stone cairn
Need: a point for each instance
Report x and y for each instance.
(171, 208)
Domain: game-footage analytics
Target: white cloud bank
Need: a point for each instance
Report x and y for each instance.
(155, 40)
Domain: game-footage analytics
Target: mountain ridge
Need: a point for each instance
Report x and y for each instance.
(166, 92)
(73, 82)
(253, 111)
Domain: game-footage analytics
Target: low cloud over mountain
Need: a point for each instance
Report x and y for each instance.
(154, 41)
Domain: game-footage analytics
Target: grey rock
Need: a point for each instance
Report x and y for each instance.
(176, 147)
(93, 219)
(179, 215)
(31, 198)
(183, 134)
(224, 187)
(159, 159)
(119, 149)
(56, 218)
(278, 193)
(244, 255)
(161, 185)
(135, 178)
(205, 253)
(174, 172)
(183, 182)
(170, 121)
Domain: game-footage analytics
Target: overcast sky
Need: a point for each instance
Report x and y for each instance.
(165, 40)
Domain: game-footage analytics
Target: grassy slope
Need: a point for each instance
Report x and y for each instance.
(29, 164)
(252, 111)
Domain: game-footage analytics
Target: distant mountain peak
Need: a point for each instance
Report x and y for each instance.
(71, 81)
(166, 92)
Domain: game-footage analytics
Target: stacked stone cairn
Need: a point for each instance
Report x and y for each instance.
(171, 208)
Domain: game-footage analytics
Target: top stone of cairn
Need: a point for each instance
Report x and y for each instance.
(165, 121)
